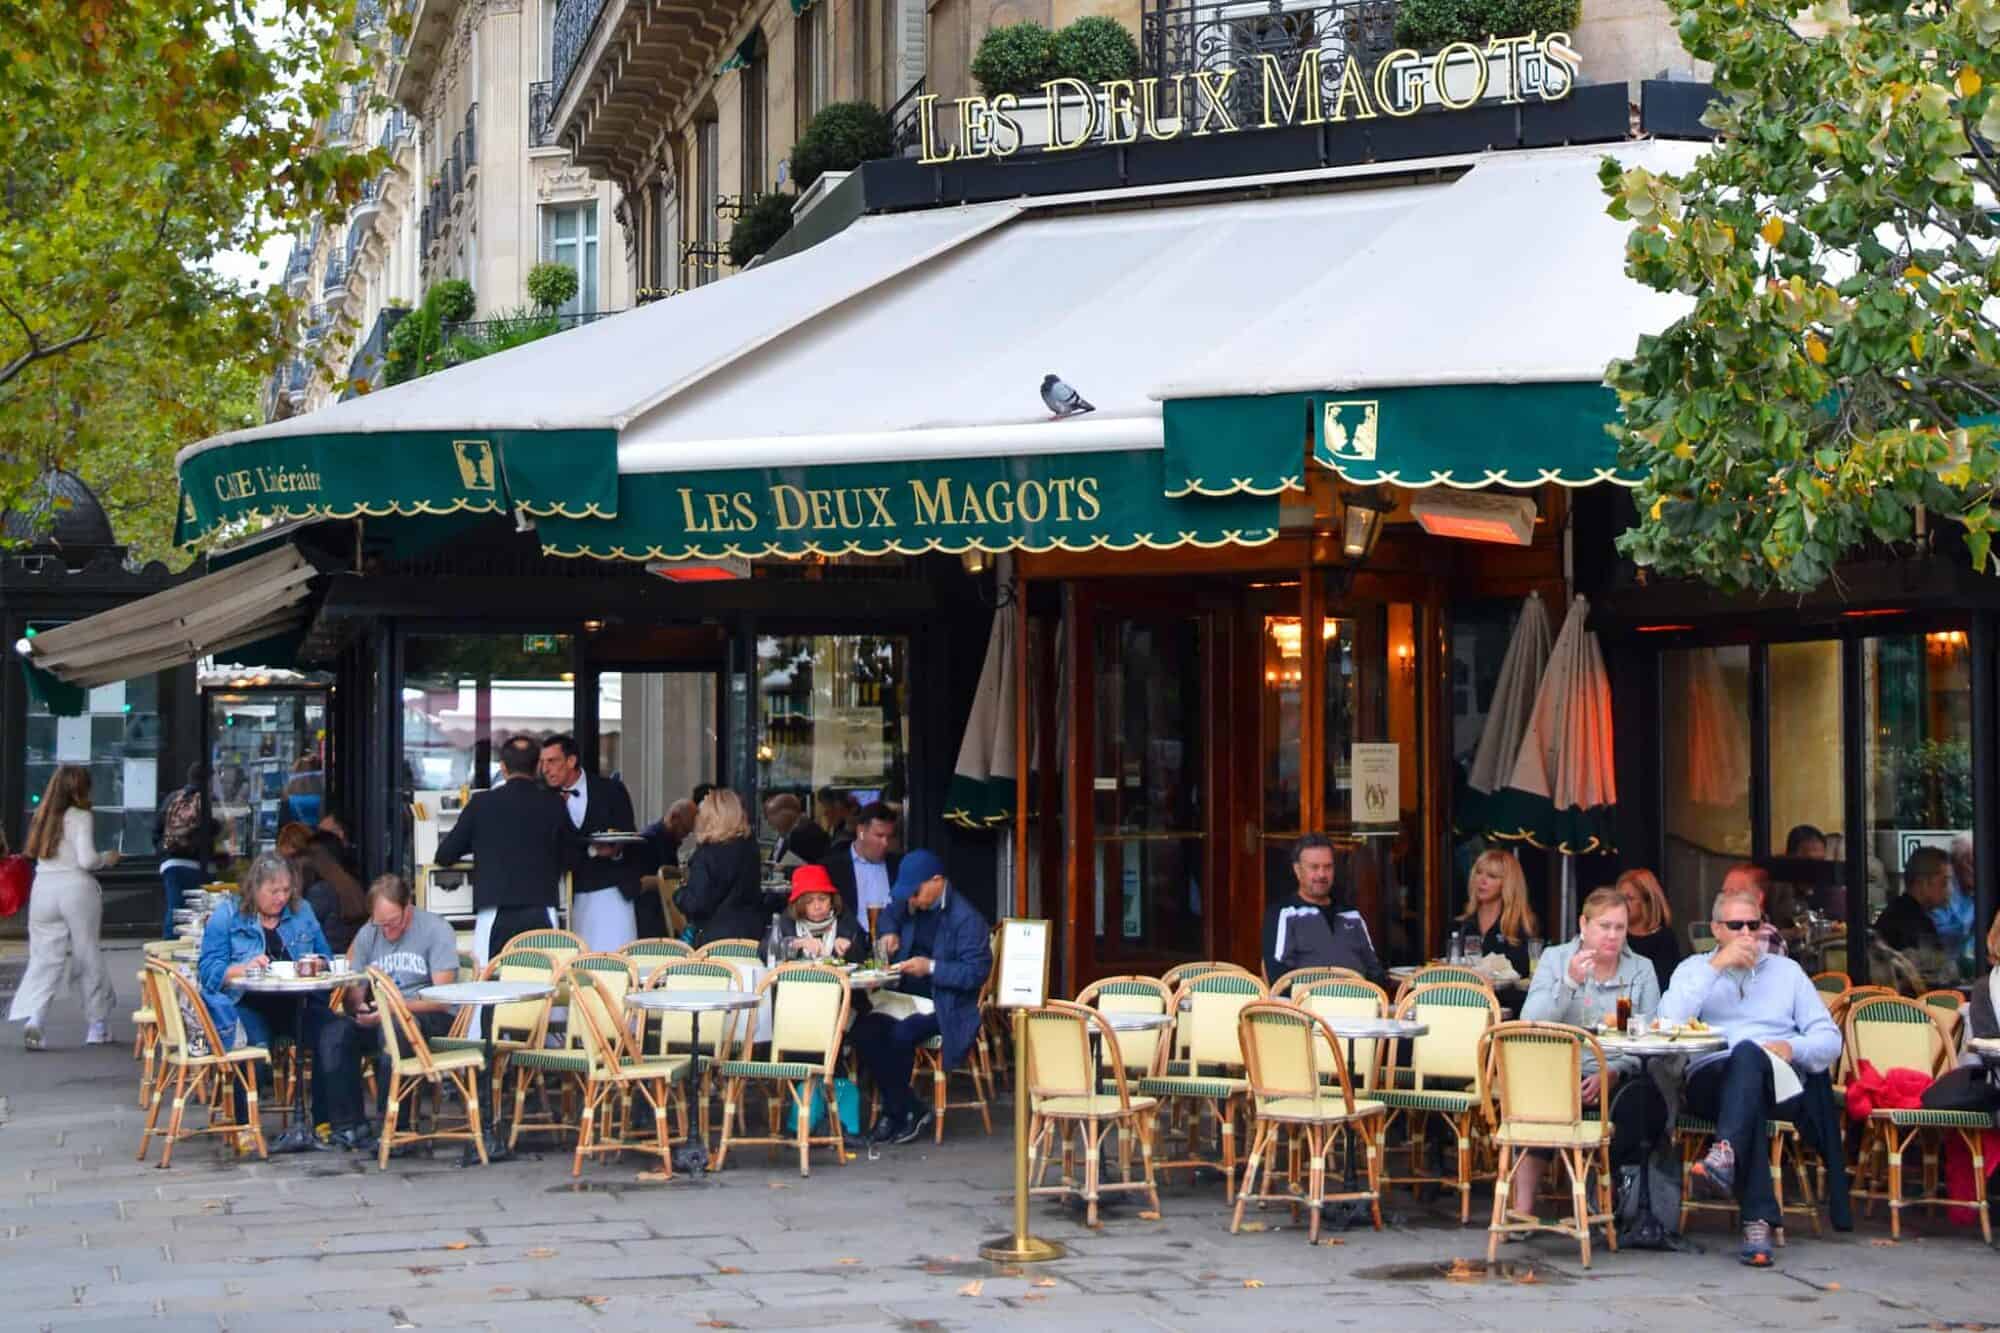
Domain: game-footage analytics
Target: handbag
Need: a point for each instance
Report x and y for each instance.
(17, 876)
(846, 1099)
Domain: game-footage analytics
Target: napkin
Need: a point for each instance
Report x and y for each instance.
(1785, 1083)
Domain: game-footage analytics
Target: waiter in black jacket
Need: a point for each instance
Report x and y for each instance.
(520, 843)
(604, 881)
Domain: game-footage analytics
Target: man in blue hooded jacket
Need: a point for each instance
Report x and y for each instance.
(943, 950)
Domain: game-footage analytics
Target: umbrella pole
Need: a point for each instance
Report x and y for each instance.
(1567, 898)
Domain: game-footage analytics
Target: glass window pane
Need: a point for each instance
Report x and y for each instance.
(1705, 726)
(1918, 689)
(117, 737)
(1807, 796)
(831, 713)
(267, 760)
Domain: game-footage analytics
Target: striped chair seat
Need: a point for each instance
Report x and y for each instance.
(766, 1069)
(562, 1062)
(1937, 1119)
(1694, 1124)
(1428, 1099)
(1189, 1085)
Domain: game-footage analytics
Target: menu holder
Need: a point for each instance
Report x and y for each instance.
(1023, 963)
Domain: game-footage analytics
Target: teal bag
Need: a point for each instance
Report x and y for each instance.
(846, 1096)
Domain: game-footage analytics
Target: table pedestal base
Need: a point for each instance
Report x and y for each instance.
(1021, 1250)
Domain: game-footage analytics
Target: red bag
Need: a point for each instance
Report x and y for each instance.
(16, 874)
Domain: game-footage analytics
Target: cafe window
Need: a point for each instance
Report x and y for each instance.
(117, 737)
(832, 711)
(1705, 708)
(268, 765)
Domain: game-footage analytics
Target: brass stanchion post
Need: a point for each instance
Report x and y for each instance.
(1020, 1247)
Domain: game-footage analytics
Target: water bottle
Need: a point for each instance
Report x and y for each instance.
(774, 942)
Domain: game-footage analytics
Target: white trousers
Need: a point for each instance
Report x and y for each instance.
(605, 920)
(65, 915)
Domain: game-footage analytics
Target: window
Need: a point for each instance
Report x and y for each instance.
(815, 61)
(268, 757)
(753, 126)
(569, 237)
(707, 167)
(1705, 711)
(548, 52)
(117, 737)
(831, 714)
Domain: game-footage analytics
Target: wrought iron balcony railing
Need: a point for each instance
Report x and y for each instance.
(1216, 35)
(298, 263)
(295, 376)
(541, 104)
(336, 276)
(395, 126)
(456, 169)
(903, 128)
(367, 18)
(317, 323)
(472, 136)
(575, 21)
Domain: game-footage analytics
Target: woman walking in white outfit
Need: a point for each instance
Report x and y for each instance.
(65, 909)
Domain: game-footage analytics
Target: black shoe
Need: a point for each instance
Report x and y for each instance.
(885, 1129)
(914, 1124)
(356, 1138)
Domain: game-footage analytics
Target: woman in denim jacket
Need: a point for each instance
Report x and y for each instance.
(266, 922)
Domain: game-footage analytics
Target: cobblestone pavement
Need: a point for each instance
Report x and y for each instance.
(92, 1239)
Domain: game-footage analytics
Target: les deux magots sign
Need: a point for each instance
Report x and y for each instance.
(1206, 101)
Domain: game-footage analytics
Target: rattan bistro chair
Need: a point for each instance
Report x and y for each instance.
(516, 1027)
(1066, 1096)
(809, 1007)
(676, 1033)
(648, 954)
(616, 1068)
(1534, 1084)
(1285, 985)
(195, 1066)
(564, 1069)
(1348, 997)
(1439, 973)
(1141, 1053)
(1894, 1032)
(1443, 1078)
(1300, 1090)
(1210, 1080)
(412, 1063)
(1182, 973)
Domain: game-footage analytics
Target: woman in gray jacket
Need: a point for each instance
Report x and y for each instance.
(1580, 983)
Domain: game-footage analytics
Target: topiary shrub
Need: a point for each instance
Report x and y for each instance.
(840, 138)
(1430, 24)
(551, 286)
(1097, 50)
(452, 299)
(416, 346)
(1015, 58)
(760, 227)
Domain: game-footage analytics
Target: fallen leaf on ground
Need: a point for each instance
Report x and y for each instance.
(1331, 1241)
(1045, 1282)
(1149, 1217)
(541, 1252)
(456, 1244)
(1034, 1296)
(1010, 1270)
(593, 1301)
(717, 1323)
(1883, 1242)
(779, 1185)
(1464, 1270)
(654, 1175)
(727, 1269)
(973, 1288)
(503, 1291)
(1527, 1277)
(1251, 1226)
(1832, 1286)
(848, 1262)
(1253, 1282)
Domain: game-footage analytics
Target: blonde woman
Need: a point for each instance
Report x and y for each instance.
(1652, 935)
(1497, 917)
(65, 909)
(723, 898)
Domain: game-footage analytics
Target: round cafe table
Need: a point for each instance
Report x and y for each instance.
(298, 1137)
(1352, 1028)
(485, 995)
(696, 1003)
(1647, 1231)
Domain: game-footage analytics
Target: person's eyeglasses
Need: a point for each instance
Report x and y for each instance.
(1739, 925)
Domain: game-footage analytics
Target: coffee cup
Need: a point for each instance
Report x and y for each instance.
(337, 966)
(285, 971)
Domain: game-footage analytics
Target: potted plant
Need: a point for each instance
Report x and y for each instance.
(840, 138)
(761, 226)
(1022, 58)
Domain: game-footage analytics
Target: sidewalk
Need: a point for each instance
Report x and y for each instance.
(325, 1241)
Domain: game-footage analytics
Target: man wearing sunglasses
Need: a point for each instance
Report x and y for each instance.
(1766, 1007)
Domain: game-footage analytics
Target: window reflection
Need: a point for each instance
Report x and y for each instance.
(1705, 709)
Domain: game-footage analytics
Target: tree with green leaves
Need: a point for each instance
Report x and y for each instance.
(145, 138)
(1839, 372)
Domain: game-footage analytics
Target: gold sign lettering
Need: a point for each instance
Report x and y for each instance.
(945, 502)
(250, 483)
(1507, 71)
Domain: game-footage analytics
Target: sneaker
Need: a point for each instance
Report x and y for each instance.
(885, 1129)
(33, 1038)
(914, 1125)
(99, 1035)
(1756, 1251)
(356, 1138)
(1715, 1175)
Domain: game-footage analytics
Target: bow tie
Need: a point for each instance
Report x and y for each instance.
(569, 791)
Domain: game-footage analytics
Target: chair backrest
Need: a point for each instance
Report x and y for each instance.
(401, 1037)
(524, 1020)
(1182, 973)
(1458, 1014)
(1142, 1051)
(615, 975)
(1442, 972)
(1059, 1059)
(641, 950)
(1895, 1032)
(1345, 997)
(750, 949)
(809, 1006)
(1950, 1000)
(603, 1038)
(1288, 1051)
(1305, 976)
(561, 945)
(676, 1031)
(1833, 954)
(1214, 1001)
(1831, 983)
(1535, 1072)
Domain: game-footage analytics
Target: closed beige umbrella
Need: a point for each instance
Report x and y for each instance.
(982, 781)
(1513, 699)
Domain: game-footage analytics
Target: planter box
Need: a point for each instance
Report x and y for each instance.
(821, 188)
(1078, 119)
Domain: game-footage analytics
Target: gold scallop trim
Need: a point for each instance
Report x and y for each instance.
(1236, 486)
(399, 509)
(1543, 476)
(1590, 848)
(771, 550)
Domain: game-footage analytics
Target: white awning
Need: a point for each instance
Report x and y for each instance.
(231, 607)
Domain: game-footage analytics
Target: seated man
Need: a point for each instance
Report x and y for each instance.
(1908, 926)
(1311, 929)
(943, 949)
(1768, 1010)
(415, 949)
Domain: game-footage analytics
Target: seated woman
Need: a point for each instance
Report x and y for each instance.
(817, 924)
(1497, 917)
(1580, 983)
(265, 923)
(1652, 934)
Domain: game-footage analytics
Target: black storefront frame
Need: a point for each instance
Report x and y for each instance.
(1640, 709)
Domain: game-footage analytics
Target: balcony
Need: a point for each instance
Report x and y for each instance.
(335, 282)
(472, 136)
(367, 19)
(298, 268)
(541, 102)
(1183, 39)
(396, 128)
(455, 167)
(318, 322)
(575, 21)
(369, 204)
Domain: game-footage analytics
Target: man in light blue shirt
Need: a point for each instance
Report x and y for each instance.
(1953, 918)
(1766, 1007)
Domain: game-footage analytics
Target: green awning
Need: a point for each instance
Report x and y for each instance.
(1464, 435)
(1032, 502)
(1227, 446)
(569, 473)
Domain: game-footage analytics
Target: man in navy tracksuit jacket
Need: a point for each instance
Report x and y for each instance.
(1310, 929)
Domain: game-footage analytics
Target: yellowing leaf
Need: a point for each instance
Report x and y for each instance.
(726, 1269)
(1815, 349)
(1968, 81)
(1658, 505)
(1252, 1282)
(1251, 1226)
(1045, 1282)
(541, 1252)
(456, 1244)
(1916, 342)
(1683, 450)
(973, 1288)
(847, 1263)
(1773, 230)
(1915, 273)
